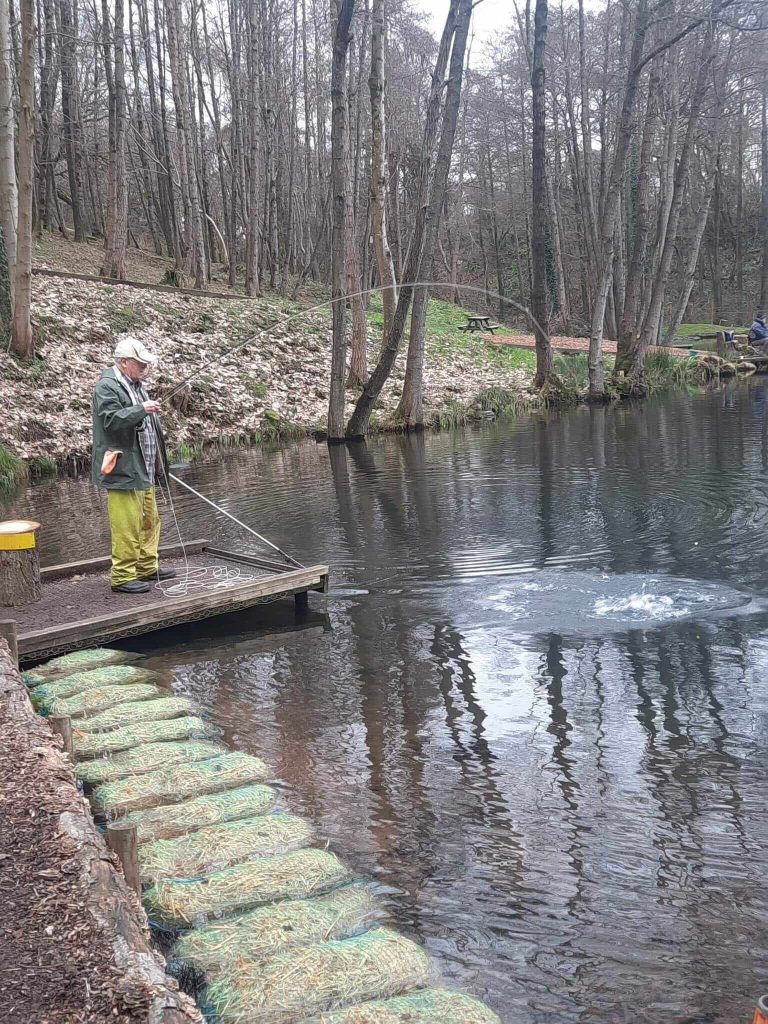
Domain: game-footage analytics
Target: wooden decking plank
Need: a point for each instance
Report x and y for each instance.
(88, 565)
(146, 617)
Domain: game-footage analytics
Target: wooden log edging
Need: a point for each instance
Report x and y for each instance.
(69, 275)
(113, 907)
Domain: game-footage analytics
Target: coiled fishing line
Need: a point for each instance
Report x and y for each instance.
(196, 578)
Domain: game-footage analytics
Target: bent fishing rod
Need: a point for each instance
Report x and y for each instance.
(285, 322)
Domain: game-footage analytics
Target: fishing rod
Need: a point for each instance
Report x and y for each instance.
(344, 298)
(285, 322)
(287, 557)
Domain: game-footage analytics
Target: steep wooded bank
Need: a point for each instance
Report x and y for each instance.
(274, 387)
(606, 170)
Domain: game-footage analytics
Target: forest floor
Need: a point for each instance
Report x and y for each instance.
(274, 386)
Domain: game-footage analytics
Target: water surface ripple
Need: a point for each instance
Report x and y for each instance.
(533, 707)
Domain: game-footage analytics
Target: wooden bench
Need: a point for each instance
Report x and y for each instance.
(476, 322)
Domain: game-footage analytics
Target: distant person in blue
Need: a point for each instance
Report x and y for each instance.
(758, 332)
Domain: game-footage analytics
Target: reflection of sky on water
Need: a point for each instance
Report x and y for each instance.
(536, 713)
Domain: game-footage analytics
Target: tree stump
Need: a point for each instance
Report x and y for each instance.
(19, 564)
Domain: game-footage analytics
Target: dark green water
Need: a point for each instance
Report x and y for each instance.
(534, 707)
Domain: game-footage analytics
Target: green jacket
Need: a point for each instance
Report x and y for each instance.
(115, 426)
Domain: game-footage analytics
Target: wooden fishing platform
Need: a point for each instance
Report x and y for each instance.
(78, 609)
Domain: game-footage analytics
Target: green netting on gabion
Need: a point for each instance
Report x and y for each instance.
(146, 758)
(312, 979)
(432, 1006)
(103, 744)
(111, 675)
(77, 661)
(174, 783)
(285, 876)
(92, 701)
(178, 819)
(258, 934)
(137, 711)
(219, 846)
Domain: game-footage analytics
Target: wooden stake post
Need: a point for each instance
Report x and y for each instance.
(122, 840)
(62, 726)
(8, 632)
(19, 563)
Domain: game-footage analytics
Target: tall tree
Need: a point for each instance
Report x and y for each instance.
(8, 194)
(117, 194)
(545, 365)
(22, 339)
(378, 175)
(611, 205)
(424, 237)
(70, 113)
(341, 12)
(190, 194)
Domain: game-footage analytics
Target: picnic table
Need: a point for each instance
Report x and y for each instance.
(476, 322)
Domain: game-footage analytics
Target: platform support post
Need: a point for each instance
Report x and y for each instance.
(302, 601)
(62, 726)
(122, 840)
(8, 632)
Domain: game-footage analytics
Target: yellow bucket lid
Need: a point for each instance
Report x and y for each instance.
(18, 534)
(19, 526)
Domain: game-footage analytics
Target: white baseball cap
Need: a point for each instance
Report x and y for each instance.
(129, 347)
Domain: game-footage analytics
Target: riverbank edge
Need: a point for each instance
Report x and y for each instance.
(94, 884)
(488, 405)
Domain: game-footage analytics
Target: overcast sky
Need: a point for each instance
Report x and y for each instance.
(488, 18)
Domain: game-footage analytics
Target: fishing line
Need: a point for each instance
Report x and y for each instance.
(212, 577)
(199, 577)
(344, 298)
(236, 520)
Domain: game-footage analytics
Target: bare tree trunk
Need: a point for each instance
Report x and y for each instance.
(764, 193)
(717, 275)
(693, 249)
(639, 346)
(292, 132)
(190, 194)
(47, 96)
(378, 180)
(252, 238)
(22, 341)
(358, 357)
(8, 195)
(341, 11)
(612, 199)
(424, 239)
(117, 185)
(740, 207)
(70, 114)
(642, 225)
(545, 365)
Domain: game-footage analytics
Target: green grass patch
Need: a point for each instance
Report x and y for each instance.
(504, 402)
(173, 278)
(573, 370)
(274, 428)
(450, 416)
(663, 371)
(123, 319)
(13, 471)
(41, 467)
(184, 452)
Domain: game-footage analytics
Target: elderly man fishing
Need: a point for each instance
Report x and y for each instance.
(128, 453)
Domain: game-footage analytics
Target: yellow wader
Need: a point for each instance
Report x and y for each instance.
(135, 526)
